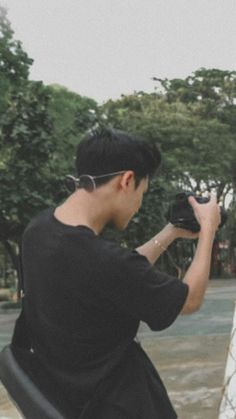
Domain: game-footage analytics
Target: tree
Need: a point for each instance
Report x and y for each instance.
(212, 95)
(198, 150)
(14, 62)
(26, 151)
(25, 140)
(72, 115)
(214, 88)
(39, 127)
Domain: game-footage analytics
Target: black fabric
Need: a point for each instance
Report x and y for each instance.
(25, 394)
(84, 299)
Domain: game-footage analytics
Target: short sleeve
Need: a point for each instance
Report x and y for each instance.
(134, 286)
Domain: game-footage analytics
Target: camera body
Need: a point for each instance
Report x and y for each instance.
(180, 213)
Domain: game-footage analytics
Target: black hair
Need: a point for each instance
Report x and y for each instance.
(107, 150)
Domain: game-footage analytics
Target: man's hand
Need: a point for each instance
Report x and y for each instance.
(207, 215)
(182, 233)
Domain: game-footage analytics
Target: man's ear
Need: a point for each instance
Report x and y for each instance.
(127, 180)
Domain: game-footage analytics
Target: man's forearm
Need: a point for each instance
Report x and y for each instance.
(198, 273)
(158, 244)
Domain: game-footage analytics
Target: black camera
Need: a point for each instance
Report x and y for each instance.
(180, 213)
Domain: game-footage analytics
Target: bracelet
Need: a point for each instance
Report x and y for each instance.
(157, 243)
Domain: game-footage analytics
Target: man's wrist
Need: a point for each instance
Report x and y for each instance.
(207, 229)
(169, 234)
(159, 244)
(173, 232)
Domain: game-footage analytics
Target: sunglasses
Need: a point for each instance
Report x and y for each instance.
(87, 182)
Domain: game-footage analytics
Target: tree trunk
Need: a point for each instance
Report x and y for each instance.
(12, 250)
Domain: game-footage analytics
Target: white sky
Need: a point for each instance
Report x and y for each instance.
(103, 48)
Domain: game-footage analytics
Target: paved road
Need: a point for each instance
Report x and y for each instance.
(7, 321)
(214, 317)
(190, 355)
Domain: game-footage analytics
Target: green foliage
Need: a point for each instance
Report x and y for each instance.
(72, 115)
(26, 142)
(39, 128)
(14, 62)
(214, 88)
(193, 121)
(190, 143)
(26, 149)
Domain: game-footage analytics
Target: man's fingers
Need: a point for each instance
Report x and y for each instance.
(192, 201)
(213, 197)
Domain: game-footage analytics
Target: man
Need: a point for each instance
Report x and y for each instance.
(85, 296)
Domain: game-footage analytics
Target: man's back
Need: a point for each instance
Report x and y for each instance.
(84, 298)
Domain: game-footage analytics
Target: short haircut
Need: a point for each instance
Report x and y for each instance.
(107, 150)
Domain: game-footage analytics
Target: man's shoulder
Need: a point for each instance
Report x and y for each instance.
(39, 220)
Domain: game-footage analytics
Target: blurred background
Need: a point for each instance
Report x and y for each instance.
(163, 71)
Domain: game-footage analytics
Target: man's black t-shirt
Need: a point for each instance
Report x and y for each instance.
(84, 299)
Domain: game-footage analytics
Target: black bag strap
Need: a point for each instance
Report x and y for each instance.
(28, 398)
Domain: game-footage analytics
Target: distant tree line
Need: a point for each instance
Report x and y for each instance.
(193, 120)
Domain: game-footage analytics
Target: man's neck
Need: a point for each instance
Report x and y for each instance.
(83, 208)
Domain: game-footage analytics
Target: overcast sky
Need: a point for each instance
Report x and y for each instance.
(103, 48)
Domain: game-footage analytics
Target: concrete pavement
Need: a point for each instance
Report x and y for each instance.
(191, 355)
